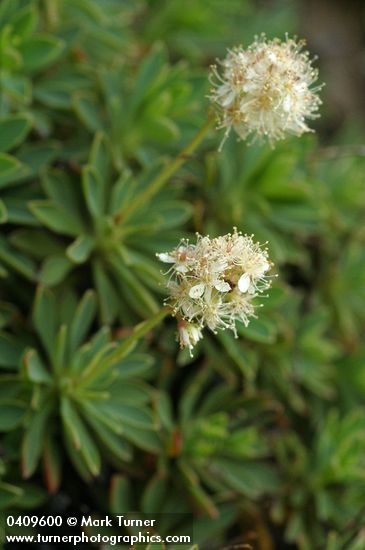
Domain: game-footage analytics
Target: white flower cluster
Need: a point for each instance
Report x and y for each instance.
(265, 90)
(213, 282)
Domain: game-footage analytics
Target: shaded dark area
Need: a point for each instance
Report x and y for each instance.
(335, 30)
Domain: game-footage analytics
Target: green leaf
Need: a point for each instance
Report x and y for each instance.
(234, 351)
(148, 72)
(108, 298)
(135, 365)
(84, 355)
(82, 320)
(18, 87)
(3, 272)
(52, 95)
(245, 443)
(121, 494)
(52, 463)
(56, 218)
(171, 213)
(206, 528)
(133, 416)
(54, 269)
(10, 169)
(16, 260)
(165, 410)
(112, 441)
(10, 351)
(160, 128)
(40, 51)
(60, 354)
(101, 158)
(38, 155)
(47, 243)
(122, 193)
(55, 89)
(6, 10)
(93, 192)
(135, 393)
(17, 212)
(250, 479)
(24, 22)
(35, 369)
(10, 387)
(191, 396)
(8, 313)
(13, 130)
(75, 456)
(68, 301)
(79, 251)
(154, 495)
(147, 440)
(11, 59)
(259, 330)
(87, 109)
(62, 190)
(45, 318)
(33, 440)
(202, 499)
(9, 495)
(34, 497)
(80, 436)
(3, 212)
(135, 294)
(99, 418)
(11, 414)
(292, 217)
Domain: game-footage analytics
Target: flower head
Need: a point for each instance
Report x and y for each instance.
(266, 90)
(213, 283)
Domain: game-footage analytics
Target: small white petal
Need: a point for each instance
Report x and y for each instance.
(196, 334)
(219, 266)
(260, 269)
(181, 268)
(222, 286)
(167, 258)
(287, 103)
(228, 99)
(197, 291)
(184, 337)
(244, 282)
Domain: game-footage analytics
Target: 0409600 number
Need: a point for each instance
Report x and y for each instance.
(34, 521)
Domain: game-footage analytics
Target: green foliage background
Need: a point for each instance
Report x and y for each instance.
(261, 438)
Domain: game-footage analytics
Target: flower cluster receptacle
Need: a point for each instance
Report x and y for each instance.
(266, 90)
(213, 283)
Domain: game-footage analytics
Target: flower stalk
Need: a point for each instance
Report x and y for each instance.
(159, 181)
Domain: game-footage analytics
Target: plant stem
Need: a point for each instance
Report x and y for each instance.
(144, 327)
(139, 331)
(158, 182)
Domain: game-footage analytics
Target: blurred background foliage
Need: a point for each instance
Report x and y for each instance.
(261, 438)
